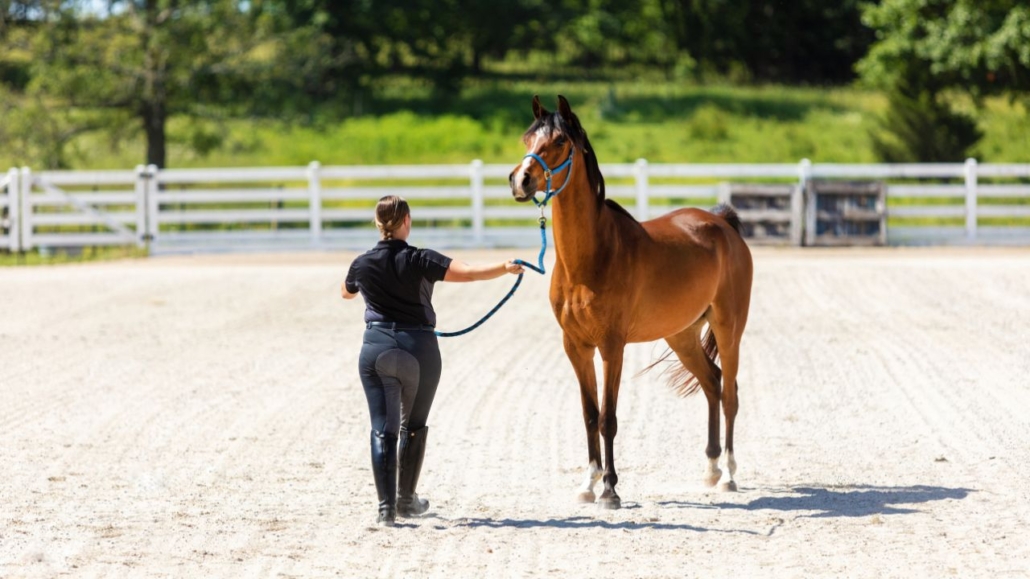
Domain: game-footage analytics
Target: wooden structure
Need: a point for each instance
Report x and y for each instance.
(845, 213)
(770, 214)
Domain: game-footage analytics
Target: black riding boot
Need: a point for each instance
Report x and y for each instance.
(412, 450)
(384, 469)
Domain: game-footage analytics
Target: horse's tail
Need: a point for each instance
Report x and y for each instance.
(682, 381)
(730, 215)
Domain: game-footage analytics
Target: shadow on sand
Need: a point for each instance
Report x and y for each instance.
(851, 501)
(584, 522)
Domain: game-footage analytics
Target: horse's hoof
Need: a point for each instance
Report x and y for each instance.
(586, 497)
(610, 503)
(712, 478)
(728, 487)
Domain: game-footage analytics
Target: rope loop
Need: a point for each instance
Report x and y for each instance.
(539, 268)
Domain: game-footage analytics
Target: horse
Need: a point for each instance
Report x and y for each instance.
(617, 280)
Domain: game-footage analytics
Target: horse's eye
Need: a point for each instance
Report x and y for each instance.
(560, 141)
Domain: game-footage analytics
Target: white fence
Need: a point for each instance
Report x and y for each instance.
(462, 205)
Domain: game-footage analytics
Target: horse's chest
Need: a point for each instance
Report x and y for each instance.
(583, 312)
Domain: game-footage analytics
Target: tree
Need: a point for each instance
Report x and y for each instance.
(441, 41)
(146, 60)
(796, 41)
(919, 128)
(927, 50)
(979, 47)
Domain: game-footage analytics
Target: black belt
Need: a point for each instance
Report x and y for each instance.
(400, 327)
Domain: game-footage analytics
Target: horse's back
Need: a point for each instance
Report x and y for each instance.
(715, 235)
(691, 226)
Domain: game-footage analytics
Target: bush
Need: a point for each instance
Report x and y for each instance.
(919, 127)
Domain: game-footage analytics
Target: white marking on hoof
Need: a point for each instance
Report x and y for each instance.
(730, 486)
(712, 473)
(586, 492)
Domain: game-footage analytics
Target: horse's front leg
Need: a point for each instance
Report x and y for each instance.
(582, 358)
(611, 354)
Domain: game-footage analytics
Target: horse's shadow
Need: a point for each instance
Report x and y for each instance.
(808, 501)
(850, 501)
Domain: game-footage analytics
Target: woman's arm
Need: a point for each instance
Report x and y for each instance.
(461, 271)
(346, 294)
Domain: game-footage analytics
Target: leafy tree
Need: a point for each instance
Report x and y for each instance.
(143, 61)
(796, 41)
(919, 128)
(928, 49)
(980, 47)
(440, 41)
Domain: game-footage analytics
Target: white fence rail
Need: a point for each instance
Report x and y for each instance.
(467, 205)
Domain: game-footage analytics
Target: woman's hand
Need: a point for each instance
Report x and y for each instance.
(511, 267)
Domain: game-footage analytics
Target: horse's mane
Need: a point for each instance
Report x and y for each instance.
(572, 129)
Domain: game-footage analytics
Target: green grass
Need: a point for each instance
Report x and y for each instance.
(64, 256)
(662, 121)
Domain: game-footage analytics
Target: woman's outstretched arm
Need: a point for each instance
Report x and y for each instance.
(461, 271)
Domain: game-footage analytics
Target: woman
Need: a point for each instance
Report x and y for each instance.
(400, 359)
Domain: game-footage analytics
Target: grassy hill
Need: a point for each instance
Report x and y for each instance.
(661, 121)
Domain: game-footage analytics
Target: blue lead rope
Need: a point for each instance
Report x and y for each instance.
(549, 193)
(539, 268)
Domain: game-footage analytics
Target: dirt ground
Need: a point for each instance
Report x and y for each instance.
(202, 417)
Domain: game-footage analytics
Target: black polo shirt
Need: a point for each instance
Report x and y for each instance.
(396, 281)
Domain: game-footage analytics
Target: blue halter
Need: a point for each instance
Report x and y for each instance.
(539, 267)
(549, 172)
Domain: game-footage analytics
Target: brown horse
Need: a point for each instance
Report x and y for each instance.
(617, 281)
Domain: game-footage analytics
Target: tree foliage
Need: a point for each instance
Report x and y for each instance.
(125, 67)
(928, 50)
(981, 47)
(919, 128)
(142, 61)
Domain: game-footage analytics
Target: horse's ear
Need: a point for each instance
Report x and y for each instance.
(564, 109)
(538, 109)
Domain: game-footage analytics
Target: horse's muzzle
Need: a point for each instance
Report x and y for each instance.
(523, 185)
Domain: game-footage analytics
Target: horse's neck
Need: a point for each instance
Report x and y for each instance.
(581, 230)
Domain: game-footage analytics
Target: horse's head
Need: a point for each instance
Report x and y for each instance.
(552, 143)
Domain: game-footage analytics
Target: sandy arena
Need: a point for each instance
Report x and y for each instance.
(202, 417)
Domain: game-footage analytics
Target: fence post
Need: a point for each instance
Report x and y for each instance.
(13, 207)
(26, 208)
(315, 200)
(153, 203)
(723, 196)
(478, 221)
(804, 175)
(970, 172)
(643, 193)
(141, 205)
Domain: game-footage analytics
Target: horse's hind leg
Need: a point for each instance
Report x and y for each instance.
(689, 350)
(582, 359)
